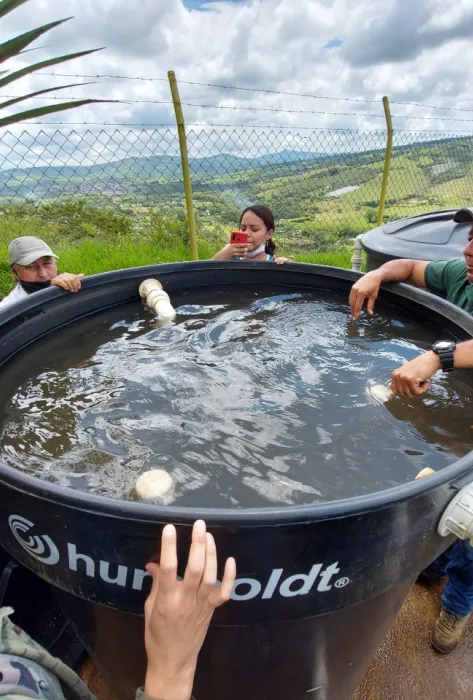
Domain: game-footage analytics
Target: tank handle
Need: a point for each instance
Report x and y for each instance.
(457, 518)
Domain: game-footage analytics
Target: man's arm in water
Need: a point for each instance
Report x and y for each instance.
(367, 287)
(412, 379)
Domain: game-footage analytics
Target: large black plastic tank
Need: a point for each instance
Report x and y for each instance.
(318, 585)
(438, 235)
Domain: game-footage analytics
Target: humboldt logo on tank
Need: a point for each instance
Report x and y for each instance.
(320, 577)
(41, 547)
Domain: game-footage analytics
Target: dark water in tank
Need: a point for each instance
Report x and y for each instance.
(250, 399)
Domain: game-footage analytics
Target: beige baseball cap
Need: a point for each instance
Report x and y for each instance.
(26, 249)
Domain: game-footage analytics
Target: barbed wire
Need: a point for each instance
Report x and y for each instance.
(293, 127)
(104, 75)
(199, 106)
(200, 125)
(253, 109)
(259, 90)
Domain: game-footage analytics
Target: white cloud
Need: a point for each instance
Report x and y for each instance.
(412, 51)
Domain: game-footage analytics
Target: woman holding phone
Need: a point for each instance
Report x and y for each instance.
(254, 240)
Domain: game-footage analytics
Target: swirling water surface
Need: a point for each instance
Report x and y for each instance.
(250, 399)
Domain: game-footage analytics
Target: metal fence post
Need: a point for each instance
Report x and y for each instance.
(186, 172)
(387, 160)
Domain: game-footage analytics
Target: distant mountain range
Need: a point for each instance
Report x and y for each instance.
(159, 177)
(161, 165)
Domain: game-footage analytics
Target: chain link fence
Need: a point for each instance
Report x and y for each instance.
(323, 185)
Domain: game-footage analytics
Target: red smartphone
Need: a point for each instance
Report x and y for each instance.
(238, 237)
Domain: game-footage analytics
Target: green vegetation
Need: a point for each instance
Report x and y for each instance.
(134, 212)
(92, 240)
(317, 199)
(18, 45)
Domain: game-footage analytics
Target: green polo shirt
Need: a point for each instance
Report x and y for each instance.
(448, 279)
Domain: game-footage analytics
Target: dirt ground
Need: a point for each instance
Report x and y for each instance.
(405, 667)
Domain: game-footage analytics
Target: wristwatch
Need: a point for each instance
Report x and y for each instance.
(445, 350)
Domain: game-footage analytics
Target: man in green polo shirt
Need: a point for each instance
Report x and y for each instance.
(452, 280)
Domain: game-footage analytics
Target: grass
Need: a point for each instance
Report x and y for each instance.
(93, 257)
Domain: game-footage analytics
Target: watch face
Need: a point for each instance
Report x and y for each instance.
(443, 344)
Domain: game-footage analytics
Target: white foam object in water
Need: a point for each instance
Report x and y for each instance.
(425, 472)
(380, 392)
(148, 285)
(153, 484)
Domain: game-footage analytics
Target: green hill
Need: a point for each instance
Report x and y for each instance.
(316, 197)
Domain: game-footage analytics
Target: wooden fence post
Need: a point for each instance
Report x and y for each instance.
(186, 172)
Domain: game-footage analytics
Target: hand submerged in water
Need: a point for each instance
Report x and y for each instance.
(412, 379)
(366, 289)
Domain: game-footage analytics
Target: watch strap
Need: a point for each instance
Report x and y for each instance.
(446, 357)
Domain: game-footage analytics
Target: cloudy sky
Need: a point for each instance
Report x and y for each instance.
(418, 51)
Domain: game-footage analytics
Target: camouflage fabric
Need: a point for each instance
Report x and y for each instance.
(29, 671)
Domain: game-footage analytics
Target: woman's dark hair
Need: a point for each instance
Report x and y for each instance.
(266, 215)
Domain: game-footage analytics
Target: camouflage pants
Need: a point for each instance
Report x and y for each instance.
(29, 671)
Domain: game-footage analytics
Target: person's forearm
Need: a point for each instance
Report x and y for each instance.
(463, 355)
(176, 685)
(395, 271)
(141, 695)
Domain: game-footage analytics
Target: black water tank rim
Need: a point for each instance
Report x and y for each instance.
(271, 515)
(250, 517)
(406, 291)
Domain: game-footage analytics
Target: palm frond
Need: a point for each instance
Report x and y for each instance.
(7, 6)
(21, 98)
(43, 64)
(18, 45)
(13, 47)
(43, 111)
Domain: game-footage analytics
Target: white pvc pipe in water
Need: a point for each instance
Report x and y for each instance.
(156, 299)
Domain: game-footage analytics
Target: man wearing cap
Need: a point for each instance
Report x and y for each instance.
(453, 280)
(33, 265)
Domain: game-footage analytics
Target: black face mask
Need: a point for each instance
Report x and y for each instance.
(32, 287)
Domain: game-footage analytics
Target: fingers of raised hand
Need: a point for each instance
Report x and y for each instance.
(223, 593)
(197, 557)
(168, 561)
(153, 570)
(209, 575)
